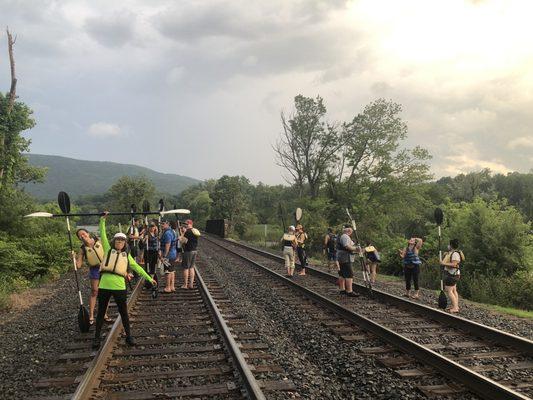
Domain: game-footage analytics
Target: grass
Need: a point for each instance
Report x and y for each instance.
(508, 310)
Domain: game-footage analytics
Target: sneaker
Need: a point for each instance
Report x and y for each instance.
(96, 343)
(341, 292)
(352, 294)
(130, 341)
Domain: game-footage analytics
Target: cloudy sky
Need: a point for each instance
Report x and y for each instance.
(196, 87)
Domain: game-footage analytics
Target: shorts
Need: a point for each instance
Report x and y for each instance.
(450, 280)
(134, 250)
(169, 266)
(288, 255)
(94, 272)
(189, 259)
(332, 255)
(346, 270)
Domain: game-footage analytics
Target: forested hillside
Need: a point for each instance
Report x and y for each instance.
(81, 177)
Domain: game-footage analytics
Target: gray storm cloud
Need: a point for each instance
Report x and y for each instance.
(212, 77)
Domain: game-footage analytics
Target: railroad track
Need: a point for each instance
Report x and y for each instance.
(486, 361)
(186, 346)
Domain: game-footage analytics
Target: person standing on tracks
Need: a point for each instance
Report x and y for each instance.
(452, 272)
(373, 259)
(301, 237)
(330, 248)
(346, 250)
(189, 240)
(92, 253)
(169, 255)
(133, 238)
(113, 272)
(151, 252)
(411, 266)
(289, 245)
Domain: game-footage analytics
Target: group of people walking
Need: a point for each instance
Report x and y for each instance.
(341, 252)
(113, 263)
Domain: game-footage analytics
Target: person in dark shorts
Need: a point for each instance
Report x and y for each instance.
(373, 259)
(189, 240)
(411, 266)
(452, 272)
(330, 248)
(301, 237)
(346, 250)
(168, 255)
(92, 253)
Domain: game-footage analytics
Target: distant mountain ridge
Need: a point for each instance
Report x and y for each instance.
(82, 177)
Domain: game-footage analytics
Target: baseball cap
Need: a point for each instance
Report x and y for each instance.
(188, 221)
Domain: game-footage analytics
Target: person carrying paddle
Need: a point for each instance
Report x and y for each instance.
(411, 266)
(151, 252)
(301, 237)
(452, 272)
(113, 271)
(91, 253)
(289, 245)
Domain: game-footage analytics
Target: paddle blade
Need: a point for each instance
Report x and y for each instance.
(146, 206)
(83, 319)
(133, 208)
(64, 202)
(161, 205)
(443, 300)
(177, 211)
(298, 214)
(40, 214)
(439, 216)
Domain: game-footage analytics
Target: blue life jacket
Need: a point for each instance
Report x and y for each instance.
(411, 258)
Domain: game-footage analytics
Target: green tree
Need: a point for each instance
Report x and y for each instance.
(130, 190)
(308, 145)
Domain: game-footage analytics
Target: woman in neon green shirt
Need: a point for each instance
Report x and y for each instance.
(113, 272)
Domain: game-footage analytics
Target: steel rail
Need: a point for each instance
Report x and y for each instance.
(90, 380)
(485, 387)
(523, 345)
(252, 387)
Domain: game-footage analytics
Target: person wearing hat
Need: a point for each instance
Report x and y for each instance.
(289, 245)
(169, 255)
(189, 240)
(346, 250)
(114, 269)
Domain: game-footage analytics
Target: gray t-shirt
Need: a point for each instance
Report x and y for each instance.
(344, 256)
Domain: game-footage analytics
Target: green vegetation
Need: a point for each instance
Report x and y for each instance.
(363, 165)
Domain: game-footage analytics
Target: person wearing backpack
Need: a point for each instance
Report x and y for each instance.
(372, 256)
(411, 266)
(114, 270)
(452, 272)
(330, 248)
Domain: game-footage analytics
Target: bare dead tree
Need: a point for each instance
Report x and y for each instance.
(13, 90)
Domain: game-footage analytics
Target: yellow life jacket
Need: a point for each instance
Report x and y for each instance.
(196, 232)
(115, 263)
(94, 255)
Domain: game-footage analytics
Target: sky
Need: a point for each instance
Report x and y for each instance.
(196, 87)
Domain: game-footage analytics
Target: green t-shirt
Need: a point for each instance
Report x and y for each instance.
(113, 281)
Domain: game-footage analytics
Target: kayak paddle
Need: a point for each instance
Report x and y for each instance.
(443, 300)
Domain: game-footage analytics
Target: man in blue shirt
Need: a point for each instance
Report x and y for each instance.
(169, 255)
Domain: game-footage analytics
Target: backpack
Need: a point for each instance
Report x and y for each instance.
(372, 254)
(448, 256)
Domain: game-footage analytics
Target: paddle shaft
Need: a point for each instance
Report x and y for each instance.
(74, 260)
